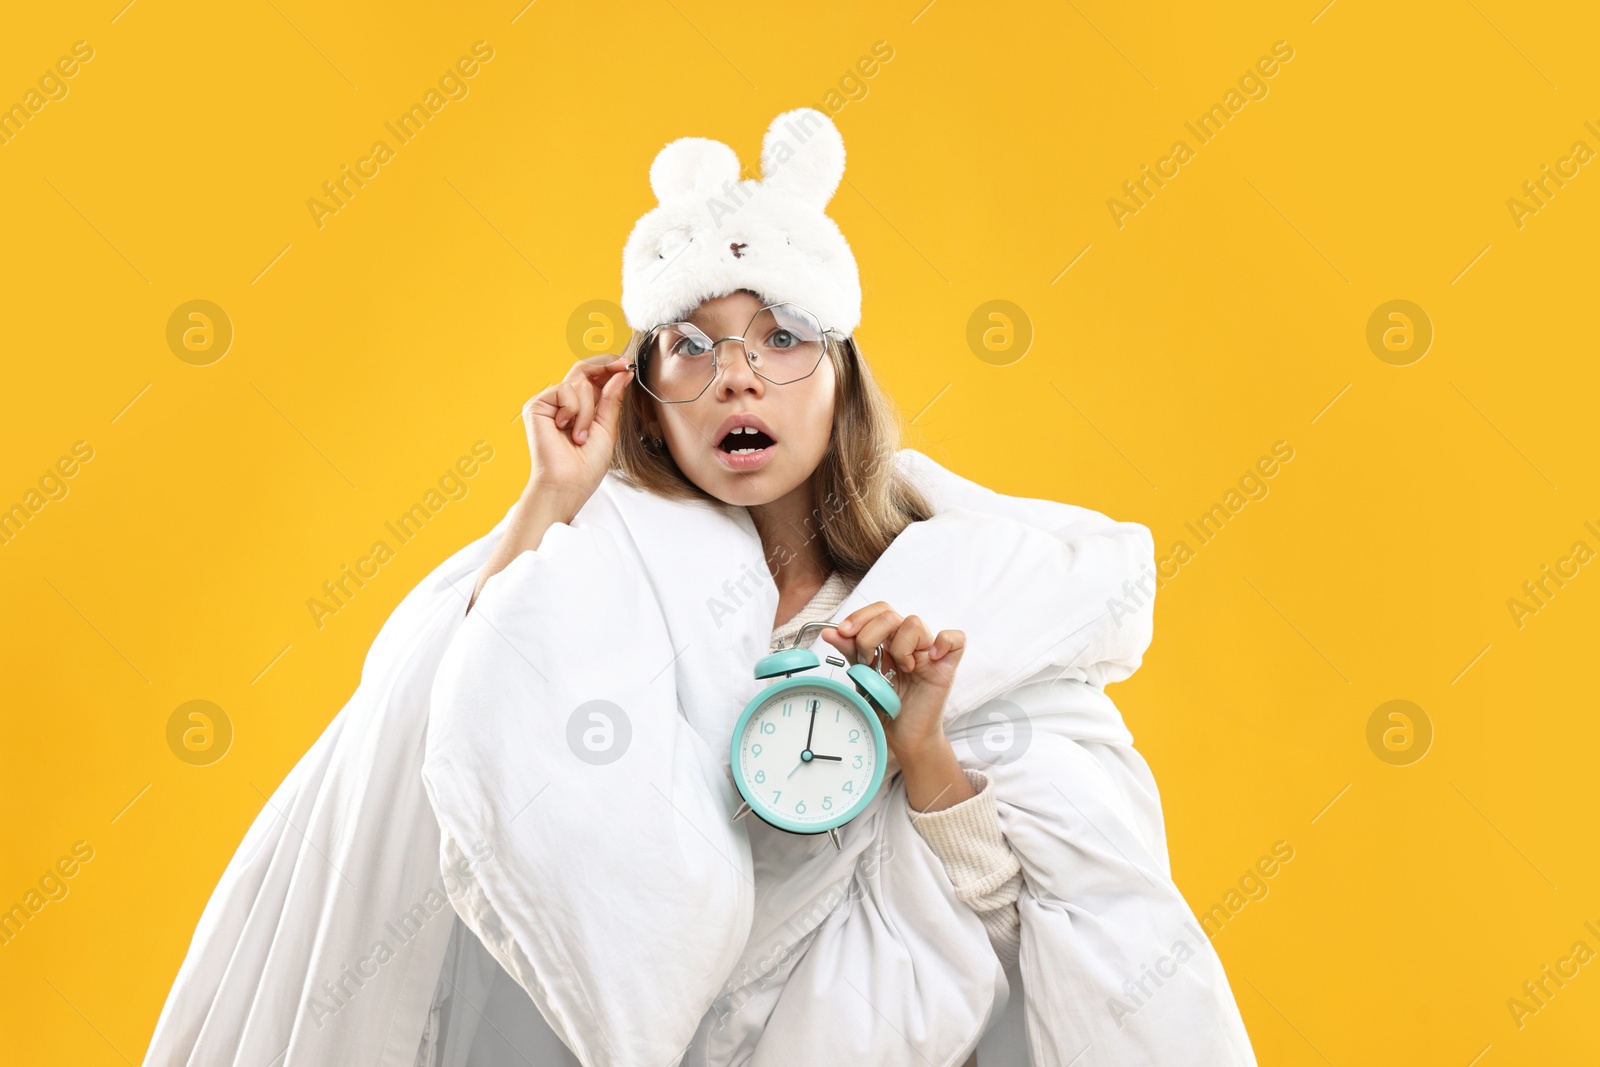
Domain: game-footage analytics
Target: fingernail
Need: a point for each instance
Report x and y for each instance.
(583, 435)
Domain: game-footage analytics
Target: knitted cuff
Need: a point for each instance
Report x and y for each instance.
(967, 839)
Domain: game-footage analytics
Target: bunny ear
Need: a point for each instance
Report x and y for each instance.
(803, 156)
(692, 166)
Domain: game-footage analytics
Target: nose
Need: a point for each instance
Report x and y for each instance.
(734, 373)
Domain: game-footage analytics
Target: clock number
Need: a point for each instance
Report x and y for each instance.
(855, 735)
(776, 793)
(761, 776)
(755, 750)
(849, 787)
(827, 802)
(769, 727)
(799, 807)
(858, 760)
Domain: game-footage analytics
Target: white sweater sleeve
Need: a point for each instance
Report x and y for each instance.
(984, 871)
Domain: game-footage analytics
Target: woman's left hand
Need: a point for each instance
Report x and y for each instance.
(924, 669)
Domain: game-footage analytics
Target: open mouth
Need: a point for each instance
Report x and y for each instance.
(746, 449)
(745, 441)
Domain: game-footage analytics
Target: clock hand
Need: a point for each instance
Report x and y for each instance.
(806, 752)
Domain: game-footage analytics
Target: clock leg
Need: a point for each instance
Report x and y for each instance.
(744, 809)
(834, 833)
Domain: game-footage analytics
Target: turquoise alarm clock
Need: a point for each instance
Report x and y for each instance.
(808, 753)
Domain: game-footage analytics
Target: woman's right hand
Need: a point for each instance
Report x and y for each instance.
(572, 430)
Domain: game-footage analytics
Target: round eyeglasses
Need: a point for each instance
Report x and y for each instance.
(677, 361)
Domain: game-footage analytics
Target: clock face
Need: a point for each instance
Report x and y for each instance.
(800, 794)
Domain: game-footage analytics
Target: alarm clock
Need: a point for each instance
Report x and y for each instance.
(808, 752)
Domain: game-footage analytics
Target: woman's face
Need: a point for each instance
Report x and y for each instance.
(797, 417)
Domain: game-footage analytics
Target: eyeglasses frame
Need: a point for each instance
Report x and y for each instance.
(650, 336)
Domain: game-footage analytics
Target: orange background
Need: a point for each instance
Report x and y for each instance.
(1167, 355)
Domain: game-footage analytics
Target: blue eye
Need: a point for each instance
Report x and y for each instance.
(783, 339)
(690, 346)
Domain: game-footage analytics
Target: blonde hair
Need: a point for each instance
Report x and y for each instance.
(861, 500)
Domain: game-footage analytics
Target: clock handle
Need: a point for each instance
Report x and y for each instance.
(801, 633)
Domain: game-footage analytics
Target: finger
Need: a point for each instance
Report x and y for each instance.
(588, 370)
(601, 374)
(572, 396)
(911, 637)
(545, 404)
(842, 642)
(566, 403)
(876, 631)
(595, 367)
(858, 617)
(948, 643)
(610, 405)
(586, 395)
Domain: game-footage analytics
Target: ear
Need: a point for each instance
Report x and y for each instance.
(692, 166)
(803, 156)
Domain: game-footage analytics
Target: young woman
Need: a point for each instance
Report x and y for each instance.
(521, 841)
(742, 420)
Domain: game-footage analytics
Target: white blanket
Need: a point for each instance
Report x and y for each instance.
(647, 928)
